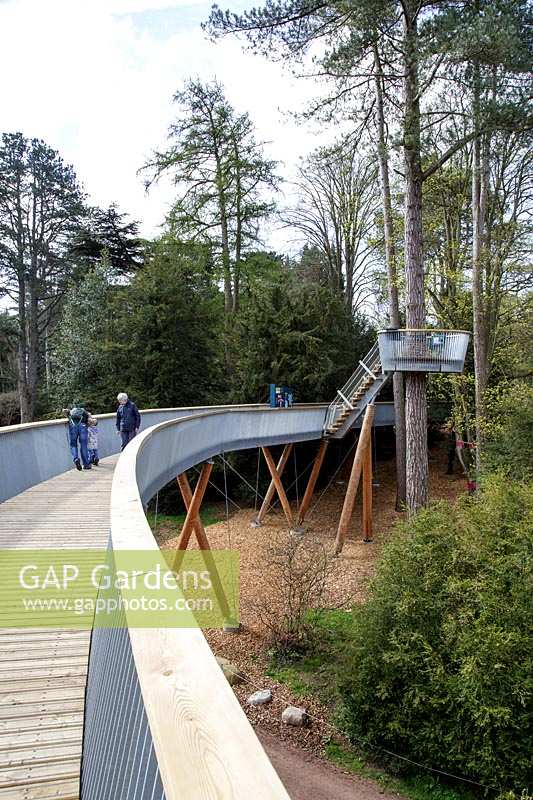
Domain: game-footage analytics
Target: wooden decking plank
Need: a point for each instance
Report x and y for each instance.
(27, 775)
(42, 722)
(53, 790)
(42, 754)
(16, 740)
(43, 669)
(26, 685)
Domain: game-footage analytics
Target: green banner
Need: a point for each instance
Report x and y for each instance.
(84, 589)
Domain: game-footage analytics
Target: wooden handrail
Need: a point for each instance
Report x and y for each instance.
(204, 743)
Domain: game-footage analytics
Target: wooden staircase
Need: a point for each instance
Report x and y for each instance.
(360, 390)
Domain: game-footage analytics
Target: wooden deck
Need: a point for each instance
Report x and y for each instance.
(43, 672)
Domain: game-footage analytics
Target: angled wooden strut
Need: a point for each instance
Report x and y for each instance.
(203, 542)
(310, 488)
(198, 527)
(278, 485)
(191, 520)
(272, 488)
(355, 476)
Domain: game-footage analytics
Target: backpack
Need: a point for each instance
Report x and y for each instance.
(76, 414)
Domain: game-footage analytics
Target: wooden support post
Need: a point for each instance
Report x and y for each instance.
(306, 501)
(205, 547)
(272, 488)
(355, 475)
(367, 493)
(279, 486)
(198, 528)
(194, 507)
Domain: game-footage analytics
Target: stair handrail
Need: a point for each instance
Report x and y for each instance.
(370, 363)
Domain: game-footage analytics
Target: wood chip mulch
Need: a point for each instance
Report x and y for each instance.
(347, 581)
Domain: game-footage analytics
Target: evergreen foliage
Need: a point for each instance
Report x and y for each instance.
(157, 337)
(439, 659)
(297, 333)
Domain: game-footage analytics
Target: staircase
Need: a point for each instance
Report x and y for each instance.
(360, 390)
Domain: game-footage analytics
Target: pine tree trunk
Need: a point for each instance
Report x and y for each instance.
(415, 383)
(392, 281)
(479, 201)
(22, 355)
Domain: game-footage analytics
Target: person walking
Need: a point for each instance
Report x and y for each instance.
(78, 418)
(128, 418)
(92, 441)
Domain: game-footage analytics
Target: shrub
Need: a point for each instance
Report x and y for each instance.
(439, 660)
(510, 432)
(297, 572)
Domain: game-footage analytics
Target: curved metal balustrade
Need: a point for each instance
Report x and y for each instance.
(203, 743)
(430, 350)
(36, 451)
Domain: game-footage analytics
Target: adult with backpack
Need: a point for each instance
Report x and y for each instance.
(128, 418)
(78, 418)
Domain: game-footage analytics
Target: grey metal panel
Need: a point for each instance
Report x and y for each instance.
(118, 757)
(174, 449)
(383, 416)
(30, 454)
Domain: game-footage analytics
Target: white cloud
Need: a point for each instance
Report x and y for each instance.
(97, 86)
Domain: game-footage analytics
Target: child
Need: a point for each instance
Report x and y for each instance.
(92, 430)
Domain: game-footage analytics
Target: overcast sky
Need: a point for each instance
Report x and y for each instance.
(95, 78)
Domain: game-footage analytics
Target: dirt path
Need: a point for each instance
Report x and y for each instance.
(307, 777)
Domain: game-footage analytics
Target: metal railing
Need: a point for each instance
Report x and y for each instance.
(424, 350)
(369, 364)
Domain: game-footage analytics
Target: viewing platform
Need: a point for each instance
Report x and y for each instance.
(424, 350)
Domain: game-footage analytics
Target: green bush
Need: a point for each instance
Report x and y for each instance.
(510, 431)
(438, 663)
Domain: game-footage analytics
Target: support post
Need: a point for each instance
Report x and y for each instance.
(205, 547)
(194, 507)
(279, 486)
(355, 475)
(367, 493)
(306, 500)
(272, 488)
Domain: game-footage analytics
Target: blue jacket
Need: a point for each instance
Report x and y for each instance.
(128, 417)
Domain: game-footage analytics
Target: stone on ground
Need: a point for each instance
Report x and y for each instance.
(295, 716)
(230, 671)
(260, 698)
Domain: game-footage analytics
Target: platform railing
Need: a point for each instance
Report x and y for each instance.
(369, 364)
(423, 350)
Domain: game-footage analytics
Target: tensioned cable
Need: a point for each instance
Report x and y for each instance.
(257, 478)
(237, 506)
(296, 476)
(332, 479)
(240, 476)
(302, 473)
(156, 510)
(228, 525)
(365, 742)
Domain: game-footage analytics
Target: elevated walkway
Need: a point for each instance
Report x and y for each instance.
(147, 712)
